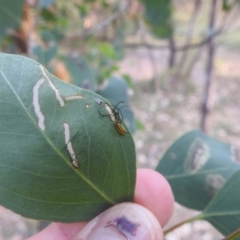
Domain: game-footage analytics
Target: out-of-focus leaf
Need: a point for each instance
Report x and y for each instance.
(81, 73)
(227, 5)
(103, 60)
(60, 160)
(107, 50)
(196, 167)
(48, 16)
(115, 90)
(139, 125)
(57, 35)
(118, 42)
(10, 15)
(45, 56)
(82, 9)
(89, 1)
(223, 212)
(128, 80)
(45, 3)
(158, 14)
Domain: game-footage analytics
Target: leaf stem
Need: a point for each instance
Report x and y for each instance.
(198, 217)
(233, 235)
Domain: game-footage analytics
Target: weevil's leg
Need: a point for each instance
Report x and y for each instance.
(122, 107)
(74, 136)
(118, 104)
(103, 114)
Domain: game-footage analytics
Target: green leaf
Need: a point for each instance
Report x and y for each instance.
(139, 125)
(128, 80)
(227, 5)
(46, 127)
(223, 212)
(81, 73)
(115, 91)
(49, 16)
(107, 50)
(196, 167)
(45, 56)
(158, 14)
(10, 15)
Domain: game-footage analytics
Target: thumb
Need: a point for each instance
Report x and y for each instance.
(124, 221)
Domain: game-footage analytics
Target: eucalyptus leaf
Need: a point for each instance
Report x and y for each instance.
(60, 160)
(228, 5)
(197, 166)
(223, 212)
(10, 15)
(81, 73)
(44, 56)
(158, 15)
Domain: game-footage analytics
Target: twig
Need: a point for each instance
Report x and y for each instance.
(153, 62)
(180, 48)
(108, 20)
(209, 71)
(187, 47)
(172, 57)
(183, 59)
(190, 65)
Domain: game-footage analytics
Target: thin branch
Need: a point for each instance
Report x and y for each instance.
(206, 105)
(196, 10)
(154, 66)
(181, 48)
(183, 59)
(155, 46)
(190, 65)
(172, 57)
(108, 20)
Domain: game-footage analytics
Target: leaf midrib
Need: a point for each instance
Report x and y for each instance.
(219, 214)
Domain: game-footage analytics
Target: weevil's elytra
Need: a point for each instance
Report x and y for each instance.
(120, 128)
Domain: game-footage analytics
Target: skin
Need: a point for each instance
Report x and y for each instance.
(152, 192)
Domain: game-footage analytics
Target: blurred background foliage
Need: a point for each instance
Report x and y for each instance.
(174, 62)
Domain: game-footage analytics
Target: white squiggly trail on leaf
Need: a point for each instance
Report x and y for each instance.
(69, 98)
(69, 145)
(36, 104)
(59, 98)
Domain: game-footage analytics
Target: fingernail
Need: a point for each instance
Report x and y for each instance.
(124, 221)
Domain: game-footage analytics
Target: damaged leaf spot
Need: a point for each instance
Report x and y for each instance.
(197, 156)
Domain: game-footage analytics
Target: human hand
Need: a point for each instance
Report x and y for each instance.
(142, 220)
